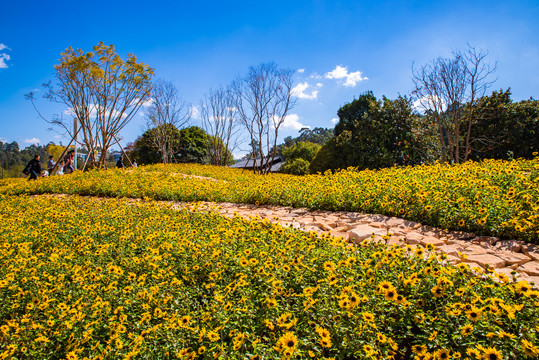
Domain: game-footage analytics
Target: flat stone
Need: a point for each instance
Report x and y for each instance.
(531, 250)
(511, 258)
(337, 234)
(530, 268)
(363, 232)
(484, 240)
(380, 225)
(412, 224)
(394, 222)
(453, 260)
(413, 237)
(397, 231)
(509, 245)
(474, 250)
(484, 259)
(322, 225)
(396, 240)
(431, 240)
(452, 250)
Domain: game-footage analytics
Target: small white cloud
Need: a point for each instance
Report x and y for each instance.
(32, 141)
(3, 139)
(319, 85)
(301, 71)
(429, 103)
(341, 73)
(3, 59)
(334, 120)
(195, 113)
(299, 91)
(315, 76)
(292, 121)
(147, 103)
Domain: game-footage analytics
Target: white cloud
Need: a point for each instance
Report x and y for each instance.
(301, 71)
(319, 85)
(32, 141)
(315, 76)
(3, 139)
(299, 91)
(3, 59)
(195, 113)
(292, 121)
(341, 73)
(425, 103)
(334, 120)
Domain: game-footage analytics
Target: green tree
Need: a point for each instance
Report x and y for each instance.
(298, 157)
(144, 150)
(370, 134)
(193, 146)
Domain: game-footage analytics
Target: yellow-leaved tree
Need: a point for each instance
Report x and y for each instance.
(102, 91)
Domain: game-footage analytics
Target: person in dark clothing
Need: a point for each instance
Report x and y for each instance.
(33, 168)
(120, 163)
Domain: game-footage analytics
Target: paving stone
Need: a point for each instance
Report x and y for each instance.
(453, 260)
(531, 268)
(531, 250)
(363, 232)
(474, 250)
(483, 259)
(380, 225)
(412, 224)
(484, 240)
(509, 245)
(396, 240)
(413, 237)
(450, 250)
(511, 258)
(322, 225)
(431, 240)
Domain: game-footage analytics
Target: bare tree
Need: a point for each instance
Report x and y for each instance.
(166, 113)
(220, 118)
(101, 91)
(444, 88)
(263, 99)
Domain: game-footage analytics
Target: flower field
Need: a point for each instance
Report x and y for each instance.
(492, 197)
(122, 279)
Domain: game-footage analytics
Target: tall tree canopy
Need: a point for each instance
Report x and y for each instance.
(102, 92)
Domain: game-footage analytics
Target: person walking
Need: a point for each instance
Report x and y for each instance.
(68, 160)
(33, 168)
(120, 163)
(50, 164)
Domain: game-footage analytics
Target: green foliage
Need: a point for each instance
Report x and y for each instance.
(371, 134)
(193, 146)
(145, 150)
(297, 166)
(303, 149)
(504, 129)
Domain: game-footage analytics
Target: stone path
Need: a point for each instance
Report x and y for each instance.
(508, 257)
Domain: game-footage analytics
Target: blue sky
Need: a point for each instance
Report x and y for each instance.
(340, 49)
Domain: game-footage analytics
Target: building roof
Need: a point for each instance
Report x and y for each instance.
(249, 164)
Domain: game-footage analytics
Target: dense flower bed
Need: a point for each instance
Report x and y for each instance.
(112, 279)
(492, 197)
